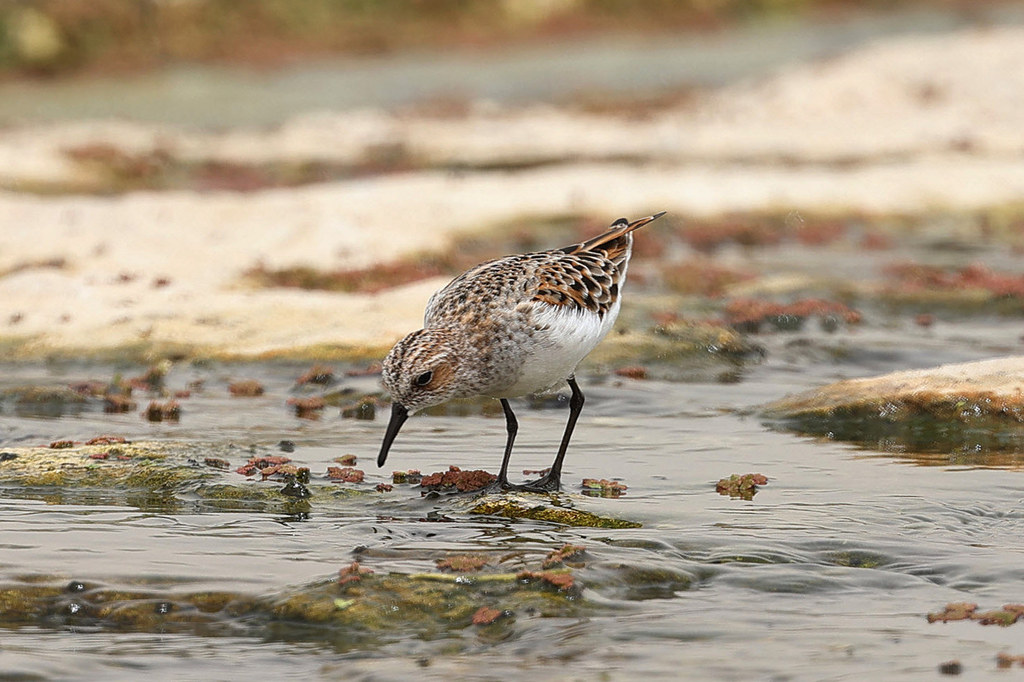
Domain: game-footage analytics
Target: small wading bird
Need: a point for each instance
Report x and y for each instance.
(510, 327)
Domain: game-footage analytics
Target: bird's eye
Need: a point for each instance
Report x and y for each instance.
(424, 379)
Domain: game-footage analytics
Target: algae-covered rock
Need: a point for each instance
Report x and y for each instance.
(164, 474)
(155, 467)
(517, 508)
(968, 407)
(170, 474)
(362, 607)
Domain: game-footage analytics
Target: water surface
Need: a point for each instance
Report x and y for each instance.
(828, 573)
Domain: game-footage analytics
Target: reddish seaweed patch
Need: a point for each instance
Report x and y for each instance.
(561, 580)
(352, 573)
(307, 408)
(258, 464)
(565, 555)
(359, 280)
(345, 474)
(632, 372)
(321, 375)
(117, 403)
(153, 379)
(411, 476)
(457, 480)
(1005, 660)
(105, 440)
(914, 277)
(486, 615)
(603, 487)
(743, 487)
(246, 388)
(158, 412)
(1006, 616)
(750, 315)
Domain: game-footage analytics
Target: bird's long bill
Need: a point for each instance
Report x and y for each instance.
(398, 416)
(643, 221)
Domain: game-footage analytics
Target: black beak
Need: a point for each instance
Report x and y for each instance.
(649, 219)
(398, 416)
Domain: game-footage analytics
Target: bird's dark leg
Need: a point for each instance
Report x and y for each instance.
(551, 481)
(511, 426)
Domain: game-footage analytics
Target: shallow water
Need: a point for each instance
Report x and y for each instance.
(828, 573)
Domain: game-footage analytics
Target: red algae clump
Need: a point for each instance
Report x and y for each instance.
(246, 388)
(412, 476)
(750, 315)
(457, 480)
(632, 372)
(743, 487)
(307, 408)
(321, 375)
(917, 277)
(1006, 616)
(564, 556)
(603, 487)
(105, 440)
(352, 573)
(561, 580)
(486, 615)
(158, 412)
(258, 464)
(345, 474)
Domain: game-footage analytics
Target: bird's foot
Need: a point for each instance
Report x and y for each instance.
(544, 484)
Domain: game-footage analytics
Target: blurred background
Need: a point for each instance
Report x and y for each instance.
(267, 176)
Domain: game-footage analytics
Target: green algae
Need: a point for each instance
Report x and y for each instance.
(168, 475)
(513, 508)
(361, 608)
(146, 466)
(857, 559)
(428, 604)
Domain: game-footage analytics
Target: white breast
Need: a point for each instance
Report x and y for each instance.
(563, 338)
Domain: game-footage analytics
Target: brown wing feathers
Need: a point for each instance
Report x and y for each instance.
(588, 275)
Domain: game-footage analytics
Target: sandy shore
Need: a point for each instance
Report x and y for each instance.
(906, 125)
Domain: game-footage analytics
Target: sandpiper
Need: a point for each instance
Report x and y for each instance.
(510, 327)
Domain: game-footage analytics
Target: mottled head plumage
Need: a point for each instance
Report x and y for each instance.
(421, 370)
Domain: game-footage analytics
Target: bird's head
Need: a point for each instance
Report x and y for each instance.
(420, 371)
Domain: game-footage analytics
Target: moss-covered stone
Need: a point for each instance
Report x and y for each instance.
(155, 467)
(361, 607)
(513, 508)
